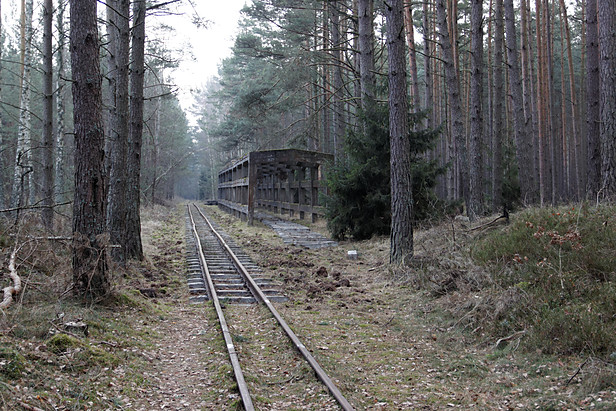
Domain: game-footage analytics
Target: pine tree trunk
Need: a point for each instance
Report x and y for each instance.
(499, 97)
(553, 140)
(522, 136)
(89, 245)
(3, 166)
(60, 107)
(21, 186)
(606, 10)
(530, 94)
(576, 149)
(476, 135)
(401, 237)
(134, 248)
(593, 111)
(336, 52)
(527, 74)
(429, 96)
(366, 55)
(327, 131)
(48, 152)
(457, 118)
(117, 204)
(410, 38)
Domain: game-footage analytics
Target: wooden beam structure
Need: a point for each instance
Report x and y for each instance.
(286, 181)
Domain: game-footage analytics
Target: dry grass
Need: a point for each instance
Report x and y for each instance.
(418, 337)
(391, 337)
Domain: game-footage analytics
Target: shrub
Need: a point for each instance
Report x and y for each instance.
(359, 201)
(563, 259)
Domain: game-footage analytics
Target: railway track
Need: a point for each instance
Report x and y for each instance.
(228, 275)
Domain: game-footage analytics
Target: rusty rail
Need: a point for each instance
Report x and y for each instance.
(260, 296)
(237, 369)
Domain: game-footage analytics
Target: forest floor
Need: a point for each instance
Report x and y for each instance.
(387, 344)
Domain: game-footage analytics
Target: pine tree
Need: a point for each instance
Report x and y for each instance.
(89, 245)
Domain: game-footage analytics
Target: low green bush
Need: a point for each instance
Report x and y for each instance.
(563, 259)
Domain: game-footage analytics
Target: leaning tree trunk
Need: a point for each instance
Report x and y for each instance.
(455, 107)
(134, 248)
(401, 236)
(48, 180)
(607, 68)
(89, 245)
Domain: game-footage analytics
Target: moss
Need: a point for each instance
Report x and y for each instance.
(61, 343)
(93, 356)
(12, 363)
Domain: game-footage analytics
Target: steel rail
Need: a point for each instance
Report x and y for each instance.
(260, 295)
(237, 370)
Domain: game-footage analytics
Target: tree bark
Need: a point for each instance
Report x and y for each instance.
(606, 11)
(117, 204)
(366, 56)
(21, 186)
(48, 152)
(2, 137)
(453, 87)
(89, 245)
(476, 137)
(575, 132)
(429, 95)
(336, 52)
(134, 248)
(60, 105)
(593, 111)
(522, 135)
(499, 98)
(401, 237)
(410, 38)
(529, 96)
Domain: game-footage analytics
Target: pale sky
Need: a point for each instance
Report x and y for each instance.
(203, 47)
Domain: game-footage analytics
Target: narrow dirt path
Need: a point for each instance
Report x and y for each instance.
(184, 365)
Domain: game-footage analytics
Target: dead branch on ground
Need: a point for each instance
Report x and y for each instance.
(14, 289)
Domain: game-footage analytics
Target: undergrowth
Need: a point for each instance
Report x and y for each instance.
(556, 267)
